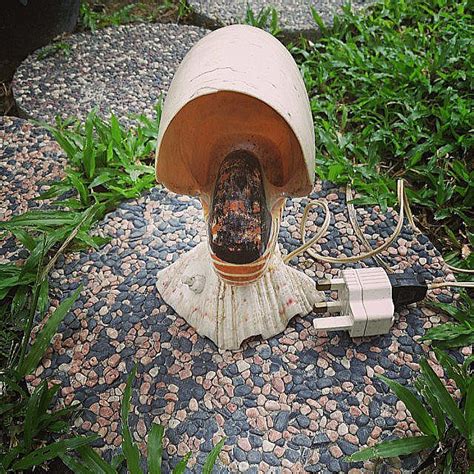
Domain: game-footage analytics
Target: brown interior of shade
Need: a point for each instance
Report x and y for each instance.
(209, 127)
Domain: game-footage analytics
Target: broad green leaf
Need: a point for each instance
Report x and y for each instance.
(181, 466)
(25, 238)
(469, 411)
(212, 457)
(155, 448)
(9, 457)
(83, 236)
(438, 413)
(444, 398)
(390, 449)
(115, 129)
(43, 299)
(46, 399)
(131, 452)
(94, 461)
(81, 188)
(74, 465)
(447, 332)
(416, 408)
(51, 451)
(117, 460)
(130, 449)
(44, 337)
(40, 219)
(65, 144)
(32, 415)
(102, 178)
(452, 368)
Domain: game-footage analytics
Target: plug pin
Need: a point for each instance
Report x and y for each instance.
(327, 307)
(330, 284)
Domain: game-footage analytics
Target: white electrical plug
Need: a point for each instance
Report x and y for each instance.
(365, 303)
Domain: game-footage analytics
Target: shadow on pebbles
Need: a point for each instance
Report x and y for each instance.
(298, 402)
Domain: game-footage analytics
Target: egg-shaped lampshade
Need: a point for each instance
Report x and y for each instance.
(238, 88)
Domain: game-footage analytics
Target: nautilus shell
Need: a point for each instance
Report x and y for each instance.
(236, 131)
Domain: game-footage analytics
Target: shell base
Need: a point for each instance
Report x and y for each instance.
(229, 314)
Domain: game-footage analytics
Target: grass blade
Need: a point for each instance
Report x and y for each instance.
(155, 448)
(469, 412)
(318, 20)
(88, 157)
(212, 457)
(438, 413)
(453, 370)
(117, 460)
(94, 461)
(418, 411)
(43, 298)
(43, 339)
(32, 416)
(181, 466)
(40, 220)
(130, 449)
(74, 465)
(115, 130)
(51, 451)
(444, 398)
(390, 449)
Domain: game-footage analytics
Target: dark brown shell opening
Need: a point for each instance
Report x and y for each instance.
(239, 221)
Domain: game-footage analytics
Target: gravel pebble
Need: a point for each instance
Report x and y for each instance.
(123, 70)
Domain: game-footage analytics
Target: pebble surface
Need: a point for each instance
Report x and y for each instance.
(29, 160)
(298, 402)
(122, 69)
(294, 16)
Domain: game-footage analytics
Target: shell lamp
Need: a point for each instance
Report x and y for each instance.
(236, 132)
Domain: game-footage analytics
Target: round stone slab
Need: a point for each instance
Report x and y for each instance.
(298, 402)
(294, 16)
(122, 69)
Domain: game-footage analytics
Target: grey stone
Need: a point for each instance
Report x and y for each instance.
(302, 440)
(280, 421)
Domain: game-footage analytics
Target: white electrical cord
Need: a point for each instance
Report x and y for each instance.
(306, 246)
(459, 270)
(373, 253)
(446, 284)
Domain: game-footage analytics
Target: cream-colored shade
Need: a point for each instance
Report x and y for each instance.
(237, 88)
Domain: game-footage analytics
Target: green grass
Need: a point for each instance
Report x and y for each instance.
(391, 96)
(90, 462)
(53, 49)
(459, 332)
(447, 425)
(95, 15)
(107, 163)
(266, 19)
(92, 20)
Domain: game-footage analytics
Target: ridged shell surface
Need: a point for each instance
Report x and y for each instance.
(229, 314)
